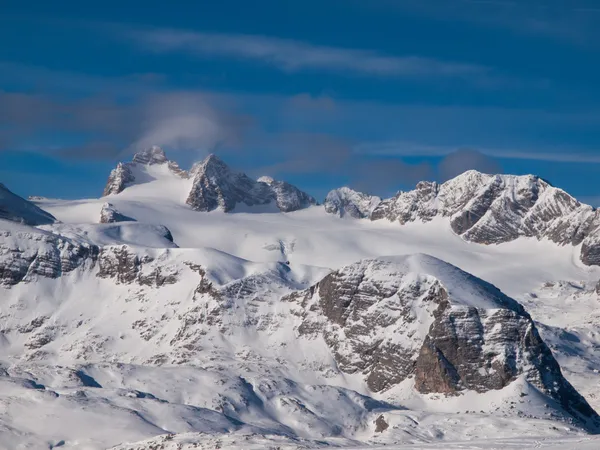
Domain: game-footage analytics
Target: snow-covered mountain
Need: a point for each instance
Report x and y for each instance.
(283, 325)
(347, 202)
(214, 185)
(491, 209)
(130, 173)
(17, 209)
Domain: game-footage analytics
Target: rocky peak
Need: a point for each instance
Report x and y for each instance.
(345, 201)
(124, 175)
(288, 197)
(109, 214)
(419, 317)
(216, 186)
(17, 209)
(152, 155)
(119, 178)
(487, 209)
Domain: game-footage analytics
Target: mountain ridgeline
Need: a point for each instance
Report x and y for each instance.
(481, 208)
(214, 186)
(138, 311)
(486, 209)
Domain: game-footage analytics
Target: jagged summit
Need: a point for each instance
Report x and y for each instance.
(348, 202)
(216, 186)
(129, 173)
(152, 155)
(487, 209)
(17, 209)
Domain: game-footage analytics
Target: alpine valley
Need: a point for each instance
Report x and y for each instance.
(205, 309)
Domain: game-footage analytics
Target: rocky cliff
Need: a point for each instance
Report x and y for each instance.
(216, 186)
(347, 202)
(491, 209)
(418, 317)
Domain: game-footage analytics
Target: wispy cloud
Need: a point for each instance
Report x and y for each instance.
(110, 128)
(291, 55)
(408, 149)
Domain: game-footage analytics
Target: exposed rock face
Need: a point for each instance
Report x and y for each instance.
(216, 186)
(26, 253)
(174, 168)
(109, 214)
(288, 197)
(492, 209)
(119, 178)
(420, 317)
(124, 175)
(152, 155)
(126, 266)
(347, 202)
(17, 209)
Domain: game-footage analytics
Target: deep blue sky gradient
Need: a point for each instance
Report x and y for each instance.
(531, 103)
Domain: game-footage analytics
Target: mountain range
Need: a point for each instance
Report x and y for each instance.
(202, 308)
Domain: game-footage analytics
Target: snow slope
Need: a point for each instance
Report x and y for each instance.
(17, 209)
(173, 326)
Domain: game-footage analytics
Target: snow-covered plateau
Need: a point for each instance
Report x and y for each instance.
(203, 309)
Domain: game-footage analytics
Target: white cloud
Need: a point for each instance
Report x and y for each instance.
(292, 55)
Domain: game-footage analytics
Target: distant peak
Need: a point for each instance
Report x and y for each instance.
(210, 163)
(152, 155)
(213, 159)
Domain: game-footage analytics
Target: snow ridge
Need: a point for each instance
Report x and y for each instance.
(491, 209)
(17, 209)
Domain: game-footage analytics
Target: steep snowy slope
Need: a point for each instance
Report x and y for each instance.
(17, 209)
(193, 340)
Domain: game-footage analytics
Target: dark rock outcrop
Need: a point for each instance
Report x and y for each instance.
(27, 253)
(420, 317)
(216, 186)
(119, 178)
(288, 197)
(109, 214)
(126, 266)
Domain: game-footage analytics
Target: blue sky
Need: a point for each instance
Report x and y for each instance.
(377, 94)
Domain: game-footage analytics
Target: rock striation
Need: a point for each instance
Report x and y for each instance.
(26, 253)
(491, 209)
(421, 318)
(347, 202)
(216, 186)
